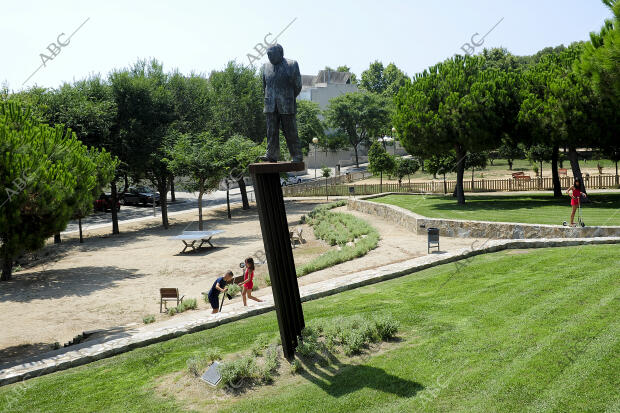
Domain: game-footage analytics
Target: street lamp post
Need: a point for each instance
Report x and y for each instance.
(315, 140)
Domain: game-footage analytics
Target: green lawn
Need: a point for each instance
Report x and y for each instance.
(532, 330)
(604, 209)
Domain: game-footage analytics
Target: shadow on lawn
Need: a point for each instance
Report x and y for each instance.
(337, 378)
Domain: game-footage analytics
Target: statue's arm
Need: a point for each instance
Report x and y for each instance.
(296, 79)
(262, 75)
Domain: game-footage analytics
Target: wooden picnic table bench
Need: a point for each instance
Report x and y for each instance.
(563, 172)
(190, 238)
(516, 174)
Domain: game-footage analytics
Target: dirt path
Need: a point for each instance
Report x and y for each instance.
(114, 281)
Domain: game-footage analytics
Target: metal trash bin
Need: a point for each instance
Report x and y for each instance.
(433, 239)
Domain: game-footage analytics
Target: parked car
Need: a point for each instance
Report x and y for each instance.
(290, 180)
(104, 203)
(140, 195)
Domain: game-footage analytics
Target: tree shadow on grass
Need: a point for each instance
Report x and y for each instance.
(338, 379)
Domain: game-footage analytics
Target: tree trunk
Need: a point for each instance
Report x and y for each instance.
(422, 164)
(7, 268)
(80, 226)
(381, 181)
(162, 188)
(327, 193)
(244, 193)
(200, 225)
(616, 172)
(114, 201)
(574, 164)
(172, 195)
(57, 239)
(460, 171)
(445, 185)
(509, 164)
(228, 199)
(357, 163)
(7, 260)
(126, 183)
(472, 179)
(557, 186)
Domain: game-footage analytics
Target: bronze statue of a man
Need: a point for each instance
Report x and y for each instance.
(281, 85)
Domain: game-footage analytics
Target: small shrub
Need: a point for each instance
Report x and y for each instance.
(353, 341)
(267, 280)
(270, 367)
(233, 290)
(195, 365)
(386, 326)
(148, 319)
(213, 354)
(260, 344)
(296, 367)
(234, 371)
(190, 304)
(172, 311)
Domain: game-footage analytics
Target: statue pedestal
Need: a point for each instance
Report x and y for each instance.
(274, 227)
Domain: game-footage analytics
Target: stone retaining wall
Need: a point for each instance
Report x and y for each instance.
(474, 229)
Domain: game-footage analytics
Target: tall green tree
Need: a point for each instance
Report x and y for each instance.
(360, 115)
(236, 99)
(45, 174)
(309, 124)
(197, 157)
(441, 164)
(379, 161)
(405, 167)
(457, 105)
(601, 55)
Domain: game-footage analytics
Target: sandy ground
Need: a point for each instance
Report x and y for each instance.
(109, 282)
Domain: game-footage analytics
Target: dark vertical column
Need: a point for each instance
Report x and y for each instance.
(274, 227)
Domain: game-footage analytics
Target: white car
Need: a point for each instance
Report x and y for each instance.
(290, 180)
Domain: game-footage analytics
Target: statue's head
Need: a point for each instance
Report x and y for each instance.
(275, 54)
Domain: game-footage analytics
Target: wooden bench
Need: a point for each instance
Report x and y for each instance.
(296, 235)
(516, 174)
(168, 294)
(563, 172)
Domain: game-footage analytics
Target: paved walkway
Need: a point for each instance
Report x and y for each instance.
(200, 320)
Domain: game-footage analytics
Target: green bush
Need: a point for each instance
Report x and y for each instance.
(271, 364)
(260, 344)
(195, 365)
(172, 311)
(386, 326)
(148, 319)
(234, 371)
(213, 354)
(189, 304)
(296, 367)
(233, 290)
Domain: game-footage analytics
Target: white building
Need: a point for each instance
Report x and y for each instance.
(327, 84)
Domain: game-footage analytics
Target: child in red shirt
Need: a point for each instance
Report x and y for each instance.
(248, 282)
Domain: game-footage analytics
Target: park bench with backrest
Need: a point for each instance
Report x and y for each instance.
(169, 294)
(562, 172)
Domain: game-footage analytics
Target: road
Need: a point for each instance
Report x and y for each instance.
(185, 201)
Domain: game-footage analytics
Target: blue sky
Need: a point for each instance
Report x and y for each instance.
(201, 36)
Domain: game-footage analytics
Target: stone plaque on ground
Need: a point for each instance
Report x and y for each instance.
(212, 375)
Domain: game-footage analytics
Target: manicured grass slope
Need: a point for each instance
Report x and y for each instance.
(531, 331)
(604, 209)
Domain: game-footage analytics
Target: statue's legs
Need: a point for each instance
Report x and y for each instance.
(273, 136)
(289, 127)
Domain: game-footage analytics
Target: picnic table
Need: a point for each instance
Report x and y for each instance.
(190, 238)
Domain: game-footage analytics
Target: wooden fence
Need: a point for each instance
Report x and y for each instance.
(479, 185)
